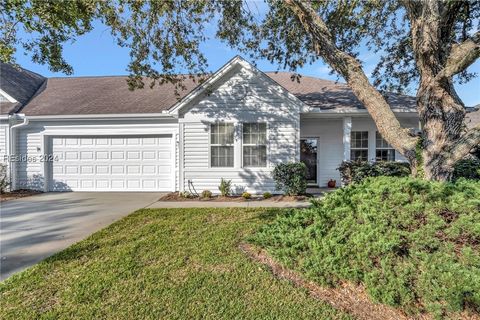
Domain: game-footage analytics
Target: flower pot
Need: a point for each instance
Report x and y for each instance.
(332, 183)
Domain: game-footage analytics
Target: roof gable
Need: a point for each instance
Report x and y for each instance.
(222, 75)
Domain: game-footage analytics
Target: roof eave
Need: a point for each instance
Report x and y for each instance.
(120, 116)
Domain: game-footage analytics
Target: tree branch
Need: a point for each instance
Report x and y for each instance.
(461, 57)
(464, 145)
(351, 70)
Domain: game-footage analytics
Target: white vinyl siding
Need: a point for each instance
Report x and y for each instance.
(241, 97)
(28, 145)
(4, 134)
(3, 141)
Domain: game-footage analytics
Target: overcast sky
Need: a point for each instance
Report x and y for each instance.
(97, 54)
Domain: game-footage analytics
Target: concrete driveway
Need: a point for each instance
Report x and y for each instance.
(36, 227)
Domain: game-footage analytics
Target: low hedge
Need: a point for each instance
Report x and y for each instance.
(356, 171)
(413, 244)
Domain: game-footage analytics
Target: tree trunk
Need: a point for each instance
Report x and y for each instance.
(441, 111)
(442, 118)
(444, 140)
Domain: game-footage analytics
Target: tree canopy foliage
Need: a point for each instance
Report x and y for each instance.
(165, 35)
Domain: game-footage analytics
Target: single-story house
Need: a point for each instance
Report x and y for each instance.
(94, 134)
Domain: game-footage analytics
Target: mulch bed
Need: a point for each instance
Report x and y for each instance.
(175, 196)
(347, 297)
(22, 193)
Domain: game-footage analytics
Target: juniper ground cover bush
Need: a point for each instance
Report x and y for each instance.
(414, 244)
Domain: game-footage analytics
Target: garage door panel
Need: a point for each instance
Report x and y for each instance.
(71, 142)
(71, 155)
(118, 184)
(149, 169)
(86, 141)
(102, 169)
(112, 163)
(118, 155)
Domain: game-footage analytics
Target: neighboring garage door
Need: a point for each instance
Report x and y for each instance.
(112, 163)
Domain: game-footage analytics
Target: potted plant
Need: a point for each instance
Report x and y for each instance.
(332, 183)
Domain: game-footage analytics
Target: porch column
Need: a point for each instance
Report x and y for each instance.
(347, 130)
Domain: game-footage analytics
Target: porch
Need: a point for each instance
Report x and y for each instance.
(326, 141)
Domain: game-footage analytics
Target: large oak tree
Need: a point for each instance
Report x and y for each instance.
(426, 43)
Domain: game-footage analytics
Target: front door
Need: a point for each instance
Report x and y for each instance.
(308, 155)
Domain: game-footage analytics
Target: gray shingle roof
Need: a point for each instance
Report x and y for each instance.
(20, 84)
(102, 95)
(110, 95)
(331, 95)
(473, 118)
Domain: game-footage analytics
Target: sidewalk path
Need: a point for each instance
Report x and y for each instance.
(230, 204)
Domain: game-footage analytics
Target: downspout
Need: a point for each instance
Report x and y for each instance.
(12, 150)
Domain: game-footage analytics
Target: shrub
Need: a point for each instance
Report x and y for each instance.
(267, 195)
(412, 243)
(467, 168)
(206, 194)
(185, 195)
(4, 183)
(356, 171)
(225, 187)
(246, 195)
(291, 178)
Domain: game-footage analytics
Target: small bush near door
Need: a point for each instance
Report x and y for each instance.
(246, 195)
(206, 194)
(291, 178)
(356, 171)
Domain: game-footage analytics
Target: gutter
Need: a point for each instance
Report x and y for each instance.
(11, 147)
(162, 115)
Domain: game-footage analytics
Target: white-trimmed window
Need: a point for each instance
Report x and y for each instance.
(383, 151)
(221, 144)
(359, 145)
(254, 144)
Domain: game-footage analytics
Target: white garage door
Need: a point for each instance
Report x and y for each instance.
(110, 163)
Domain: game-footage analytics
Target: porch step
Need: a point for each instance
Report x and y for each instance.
(319, 190)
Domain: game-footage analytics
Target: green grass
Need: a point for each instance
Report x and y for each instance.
(413, 244)
(161, 264)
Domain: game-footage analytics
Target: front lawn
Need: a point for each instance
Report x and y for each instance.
(412, 244)
(161, 263)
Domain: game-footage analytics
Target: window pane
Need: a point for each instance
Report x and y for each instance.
(359, 139)
(221, 133)
(385, 155)
(381, 143)
(222, 156)
(229, 133)
(361, 155)
(254, 133)
(254, 156)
